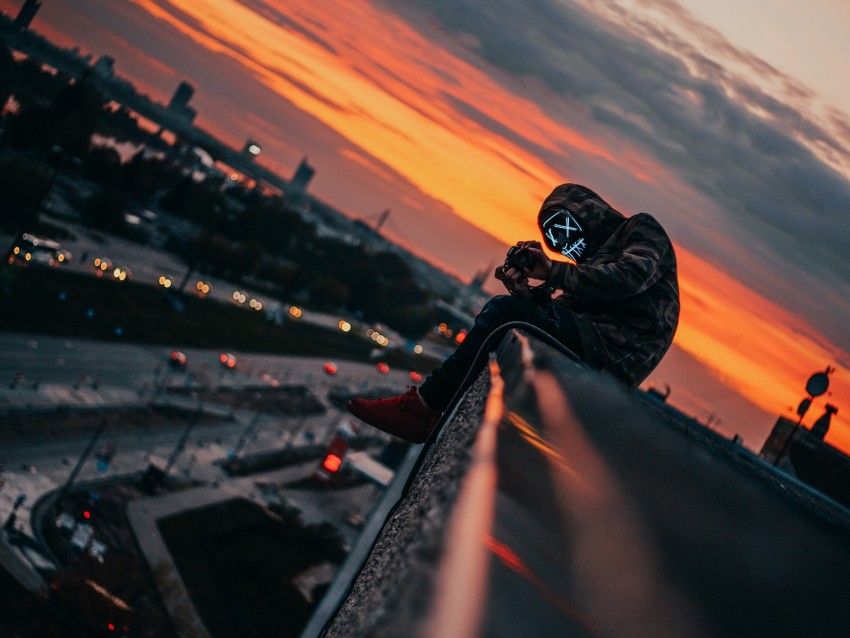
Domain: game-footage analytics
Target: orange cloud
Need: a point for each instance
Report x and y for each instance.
(400, 98)
(764, 351)
(360, 91)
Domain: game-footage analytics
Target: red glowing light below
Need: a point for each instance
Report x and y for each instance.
(332, 463)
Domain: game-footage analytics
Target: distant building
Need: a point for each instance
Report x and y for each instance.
(481, 277)
(179, 103)
(26, 14)
(474, 296)
(803, 453)
(181, 96)
(104, 67)
(303, 174)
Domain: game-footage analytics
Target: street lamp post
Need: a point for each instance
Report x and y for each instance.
(246, 434)
(84, 456)
(10, 520)
(181, 442)
(817, 385)
(178, 294)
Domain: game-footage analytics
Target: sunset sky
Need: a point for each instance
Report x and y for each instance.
(728, 121)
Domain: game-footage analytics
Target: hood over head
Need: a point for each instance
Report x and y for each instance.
(575, 221)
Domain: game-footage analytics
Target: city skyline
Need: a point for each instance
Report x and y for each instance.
(437, 118)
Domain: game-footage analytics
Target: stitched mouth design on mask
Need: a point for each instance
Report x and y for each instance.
(563, 233)
(574, 250)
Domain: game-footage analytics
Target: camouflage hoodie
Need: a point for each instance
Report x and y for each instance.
(623, 290)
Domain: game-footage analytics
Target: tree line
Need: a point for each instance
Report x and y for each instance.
(47, 125)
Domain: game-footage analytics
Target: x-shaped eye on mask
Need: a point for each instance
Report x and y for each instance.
(563, 233)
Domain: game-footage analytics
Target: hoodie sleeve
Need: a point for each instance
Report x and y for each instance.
(643, 258)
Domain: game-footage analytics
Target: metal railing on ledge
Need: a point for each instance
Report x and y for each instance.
(554, 503)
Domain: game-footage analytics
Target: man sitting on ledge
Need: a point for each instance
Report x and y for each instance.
(617, 310)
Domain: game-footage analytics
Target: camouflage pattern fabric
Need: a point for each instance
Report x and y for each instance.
(624, 291)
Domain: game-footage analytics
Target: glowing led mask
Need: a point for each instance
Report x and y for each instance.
(563, 233)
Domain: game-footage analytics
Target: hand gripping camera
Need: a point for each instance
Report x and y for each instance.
(519, 258)
(522, 258)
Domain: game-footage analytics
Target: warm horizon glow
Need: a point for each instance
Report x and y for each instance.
(764, 351)
(418, 133)
(760, 350)
(467, 136)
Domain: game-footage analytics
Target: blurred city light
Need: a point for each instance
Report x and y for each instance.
(443, 330)
(178, 359)
(418, 349)
(295, 311)
(377, 337)
(344, 325)
(100, 589)
(332, 463)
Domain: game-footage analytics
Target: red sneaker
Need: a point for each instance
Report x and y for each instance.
(404, 416)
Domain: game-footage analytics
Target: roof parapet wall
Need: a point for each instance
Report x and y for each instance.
(600, 517)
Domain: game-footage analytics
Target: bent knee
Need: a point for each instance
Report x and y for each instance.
(504, 307)
(499, 302)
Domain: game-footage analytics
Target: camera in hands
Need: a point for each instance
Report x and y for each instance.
(519, 258)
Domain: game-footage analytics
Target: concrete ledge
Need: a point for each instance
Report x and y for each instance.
(393, 591)
(610, 519)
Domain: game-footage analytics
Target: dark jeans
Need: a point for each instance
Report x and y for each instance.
(442, 384)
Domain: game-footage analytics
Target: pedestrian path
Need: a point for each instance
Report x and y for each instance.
(48, 397)
(30, 399)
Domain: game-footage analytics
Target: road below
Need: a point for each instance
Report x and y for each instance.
(98, 372)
